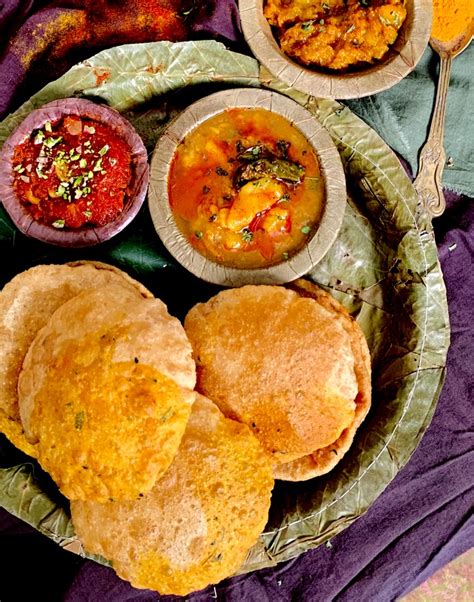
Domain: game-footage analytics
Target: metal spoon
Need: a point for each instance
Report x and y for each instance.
(433, 156)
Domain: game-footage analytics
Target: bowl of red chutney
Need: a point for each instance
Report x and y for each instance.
(73, 174)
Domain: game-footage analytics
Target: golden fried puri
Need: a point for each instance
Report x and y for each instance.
(26, 304)
(323, 460)
(278, 362)
(106, 390)
(196, 525)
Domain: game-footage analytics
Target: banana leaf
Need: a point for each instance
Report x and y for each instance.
(383, 268)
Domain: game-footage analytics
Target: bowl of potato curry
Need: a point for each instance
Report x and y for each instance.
(337, 48)
(246, 187)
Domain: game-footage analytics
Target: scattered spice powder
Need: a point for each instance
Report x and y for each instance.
(451, 18)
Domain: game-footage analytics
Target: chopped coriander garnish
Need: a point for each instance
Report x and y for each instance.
(59, 223)
(79, 420)
(247, 236)
(305, 229)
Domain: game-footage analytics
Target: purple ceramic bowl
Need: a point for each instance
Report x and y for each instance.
(87, 235)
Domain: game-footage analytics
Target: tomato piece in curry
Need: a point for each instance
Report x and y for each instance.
(73, 172)
(245, 188)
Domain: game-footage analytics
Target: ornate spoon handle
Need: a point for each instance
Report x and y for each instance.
(432, 156)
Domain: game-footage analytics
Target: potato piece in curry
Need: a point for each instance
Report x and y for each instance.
(337, 35)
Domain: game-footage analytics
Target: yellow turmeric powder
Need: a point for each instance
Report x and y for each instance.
(451, 18)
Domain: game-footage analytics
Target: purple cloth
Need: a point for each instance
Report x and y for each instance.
(421, 521)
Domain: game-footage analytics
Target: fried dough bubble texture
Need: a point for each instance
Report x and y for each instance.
(323, 460)
(279, 362)
(197, 524)
(26, 304)
(106, 390)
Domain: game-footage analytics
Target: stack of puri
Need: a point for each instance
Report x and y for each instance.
(290, 363)
(97, 382)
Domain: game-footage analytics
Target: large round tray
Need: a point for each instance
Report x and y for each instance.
(383, 267)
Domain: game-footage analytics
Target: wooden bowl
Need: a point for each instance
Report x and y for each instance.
(400, 60)
(331, 172)
(85, 236)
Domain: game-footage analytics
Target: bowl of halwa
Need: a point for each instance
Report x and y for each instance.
(337, 48)
(246, 187)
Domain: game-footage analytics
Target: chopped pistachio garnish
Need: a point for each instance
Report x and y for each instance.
(87, 213)
(60, 190)
(47, 127)
(305, 229)
(39, 137)
(50, 142)
(40, 174)
(77, 181)
(82, 163)
(90, 175)
(98, 165)
(104, 150)
(19, 168)
(198, 234)
(59, 223)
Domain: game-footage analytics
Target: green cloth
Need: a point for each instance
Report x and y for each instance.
(401, 115)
